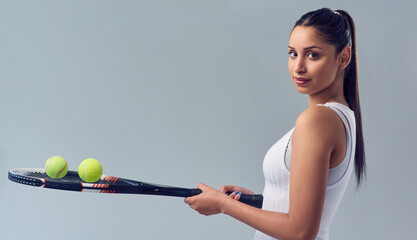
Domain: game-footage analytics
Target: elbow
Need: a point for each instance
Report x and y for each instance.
(303, 233)
(299, 234)
(305, 236)
(306, 233)
(297, 229)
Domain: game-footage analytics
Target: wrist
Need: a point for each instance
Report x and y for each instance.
(225, 204)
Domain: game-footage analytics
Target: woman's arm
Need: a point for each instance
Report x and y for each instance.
(313, 142)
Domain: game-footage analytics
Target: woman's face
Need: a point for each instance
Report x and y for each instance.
(312, 63)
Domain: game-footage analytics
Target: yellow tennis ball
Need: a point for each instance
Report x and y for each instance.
(90, 170)
(56, 167)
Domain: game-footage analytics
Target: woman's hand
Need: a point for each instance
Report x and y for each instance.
(209, 202)
(235, 191)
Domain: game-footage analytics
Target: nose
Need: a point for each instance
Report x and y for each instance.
(299, 66)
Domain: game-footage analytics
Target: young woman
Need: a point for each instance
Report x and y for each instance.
(307, 171)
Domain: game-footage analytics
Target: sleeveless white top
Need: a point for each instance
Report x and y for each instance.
(277, 175)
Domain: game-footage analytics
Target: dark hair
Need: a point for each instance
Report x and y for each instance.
(337, 28)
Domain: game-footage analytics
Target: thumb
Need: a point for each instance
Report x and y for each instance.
(190, 200)
(228, 188)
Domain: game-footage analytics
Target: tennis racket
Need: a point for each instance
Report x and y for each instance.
(107, 184)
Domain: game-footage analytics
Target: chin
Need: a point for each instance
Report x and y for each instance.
(302, 90)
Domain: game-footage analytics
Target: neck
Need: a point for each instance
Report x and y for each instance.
(335, 98)
(333, 93)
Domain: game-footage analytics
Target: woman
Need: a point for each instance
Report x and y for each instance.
(307, 171)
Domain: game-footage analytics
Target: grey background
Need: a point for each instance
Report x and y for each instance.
(182, 92)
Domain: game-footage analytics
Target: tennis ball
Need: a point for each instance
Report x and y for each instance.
(56, 167)
(90, 170)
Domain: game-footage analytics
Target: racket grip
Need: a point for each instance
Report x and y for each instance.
(195, 191)
(254, 200)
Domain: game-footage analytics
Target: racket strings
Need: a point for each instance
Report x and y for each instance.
(71, 177)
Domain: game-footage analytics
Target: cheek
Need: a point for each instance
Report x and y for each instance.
(292, 64)
(324, 70)
(321, 71)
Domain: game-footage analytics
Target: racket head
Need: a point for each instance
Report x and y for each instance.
(71, 181)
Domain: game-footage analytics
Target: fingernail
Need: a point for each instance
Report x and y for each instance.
(235, 192)
(239, 193)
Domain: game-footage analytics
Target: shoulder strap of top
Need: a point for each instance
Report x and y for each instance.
(337, 173)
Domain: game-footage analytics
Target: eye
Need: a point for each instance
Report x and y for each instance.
(292, 54)
(312, 55)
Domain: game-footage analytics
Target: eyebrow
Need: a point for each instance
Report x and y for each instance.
(307, 48)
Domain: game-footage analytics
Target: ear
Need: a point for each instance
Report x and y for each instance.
(344, 57)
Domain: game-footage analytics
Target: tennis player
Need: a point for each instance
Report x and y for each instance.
(307, 170)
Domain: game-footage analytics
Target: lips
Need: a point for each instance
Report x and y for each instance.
(301, 81)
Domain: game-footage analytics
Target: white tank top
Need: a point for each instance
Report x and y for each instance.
(277, 175)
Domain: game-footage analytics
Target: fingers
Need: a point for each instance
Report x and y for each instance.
(208, 202)
(190, 200)
(235, 195)
(187, 200)
(238, 196)
(236, 191)
(232, 188)
(228, 188)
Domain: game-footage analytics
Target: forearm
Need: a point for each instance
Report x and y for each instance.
(275, 224)
(302, 222)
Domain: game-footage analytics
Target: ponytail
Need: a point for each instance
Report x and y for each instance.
(351, 91)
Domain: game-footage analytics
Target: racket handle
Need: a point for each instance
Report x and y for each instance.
(195, 191)
(254, 200)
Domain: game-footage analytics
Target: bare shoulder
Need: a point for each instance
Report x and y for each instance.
(319, 120)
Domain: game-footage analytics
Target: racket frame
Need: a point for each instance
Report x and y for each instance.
(108, 184)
